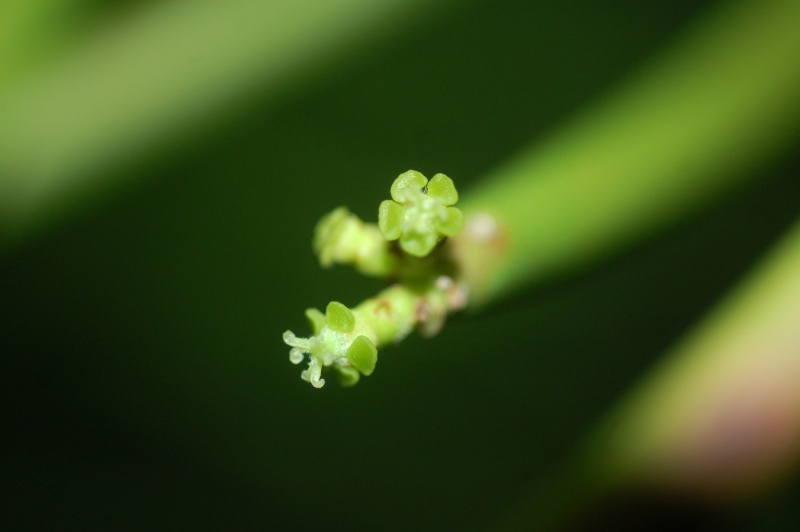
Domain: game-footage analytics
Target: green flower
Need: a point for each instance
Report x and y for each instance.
(340, 340)
(420, 212)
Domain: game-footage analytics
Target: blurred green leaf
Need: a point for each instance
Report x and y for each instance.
(693, 125)
(154, 78)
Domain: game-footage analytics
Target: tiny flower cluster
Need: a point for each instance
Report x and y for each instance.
(420, 212)
(339, 340)
(419, 215)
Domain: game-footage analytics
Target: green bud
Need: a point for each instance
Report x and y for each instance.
(341, 237)
(328, 235)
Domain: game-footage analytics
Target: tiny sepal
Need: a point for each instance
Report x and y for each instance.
(363, 355)
(340, 318)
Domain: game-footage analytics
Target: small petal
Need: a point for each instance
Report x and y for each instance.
(390, 219)
(411, 180)
(340, 318)
(442, 188)
(348, 375)
(451, 223)
(418, 244)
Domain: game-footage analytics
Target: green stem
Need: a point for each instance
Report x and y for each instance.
(719, 419)
(694, 124)
(722, 414)
(156, 77)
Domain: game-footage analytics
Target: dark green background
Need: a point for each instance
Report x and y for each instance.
(145, 380)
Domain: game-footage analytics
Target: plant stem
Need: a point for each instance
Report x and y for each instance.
(722, 415)
(153, 78)
(694, 124)
(718, 420)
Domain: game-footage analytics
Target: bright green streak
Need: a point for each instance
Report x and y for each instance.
(151, 77)
(693, 125)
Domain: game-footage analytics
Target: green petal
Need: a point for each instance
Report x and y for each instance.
(418, 244)
(340, 318)
(390, 219)
(441, 187)
(316, 318)
(451, 223)
(363, 355)
(348, 376)
(412, 180)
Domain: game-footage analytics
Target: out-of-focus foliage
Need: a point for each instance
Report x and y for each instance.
(146, 78)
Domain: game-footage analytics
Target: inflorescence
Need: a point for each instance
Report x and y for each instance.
(406, 246)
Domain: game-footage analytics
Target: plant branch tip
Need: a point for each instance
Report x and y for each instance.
(420, 216)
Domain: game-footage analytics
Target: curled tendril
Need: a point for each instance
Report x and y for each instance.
(420, 212)
(339, 340)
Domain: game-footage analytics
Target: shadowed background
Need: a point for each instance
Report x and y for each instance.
(145, 378)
